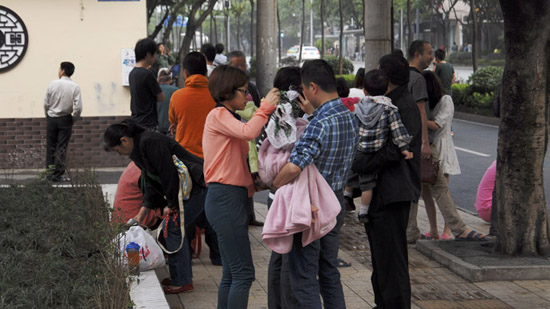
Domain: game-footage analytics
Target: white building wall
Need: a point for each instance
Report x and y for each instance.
(89, 33)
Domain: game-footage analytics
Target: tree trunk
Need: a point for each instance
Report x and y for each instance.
(341, 40)
(252, 28)
(409, 26)
(474, 35)
(266, 45)
(239, 32)
(279, 37)
(523, 223)
(192, 24)
(322, 13)
(378, 40)
(216, 30)
(302, 28)
(158, 27)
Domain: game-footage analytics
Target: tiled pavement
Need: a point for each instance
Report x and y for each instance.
(433, 285)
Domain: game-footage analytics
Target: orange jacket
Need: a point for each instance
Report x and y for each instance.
(189, 107)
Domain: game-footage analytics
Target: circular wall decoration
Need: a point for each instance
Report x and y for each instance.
(13, 39)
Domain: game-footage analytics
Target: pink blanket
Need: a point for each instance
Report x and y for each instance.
(306, 205)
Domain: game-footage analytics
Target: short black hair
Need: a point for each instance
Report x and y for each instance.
(342, 87)
(396, 68)
(194, 63)
(376, 83)
(116, 131)
(144, 47)
(67, 67)
(440, 54)
(318, 71)
(417, 47)
(235, 54)
(359, 78)
(209, 51)
(219, 48)
(286, 77)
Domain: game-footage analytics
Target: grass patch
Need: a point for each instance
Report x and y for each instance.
(56, 248)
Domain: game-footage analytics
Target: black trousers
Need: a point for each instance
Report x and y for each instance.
(58, 134)
(210, 237)
(386, 230)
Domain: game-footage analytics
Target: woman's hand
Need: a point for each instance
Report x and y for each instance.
(167, 210)
(273, 96)
(305, 105)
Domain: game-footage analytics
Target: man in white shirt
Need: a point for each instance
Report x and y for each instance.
(62, 105)
(209, 51)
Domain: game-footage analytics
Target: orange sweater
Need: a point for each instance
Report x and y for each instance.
(189, 107)
(225, 145)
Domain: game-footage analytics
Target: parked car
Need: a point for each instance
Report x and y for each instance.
(308, 52)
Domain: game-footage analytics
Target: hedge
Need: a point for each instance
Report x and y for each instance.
(57, 249)
(480, 92)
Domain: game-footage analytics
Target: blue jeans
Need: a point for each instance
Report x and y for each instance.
(179, 263)
(317, 259)
(227, 213)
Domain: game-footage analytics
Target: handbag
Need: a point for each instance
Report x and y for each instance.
(429, 171)
(150, 254)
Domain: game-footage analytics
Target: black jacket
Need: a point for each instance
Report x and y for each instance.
(398, 179)
(153, 154)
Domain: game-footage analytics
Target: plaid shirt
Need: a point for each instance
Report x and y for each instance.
(329, 142)
(371, 139)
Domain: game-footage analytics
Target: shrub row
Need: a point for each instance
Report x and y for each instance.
(56, 249)
(479, 93)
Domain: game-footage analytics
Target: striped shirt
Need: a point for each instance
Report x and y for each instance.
(328, 141)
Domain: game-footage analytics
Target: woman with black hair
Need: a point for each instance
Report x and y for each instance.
(225, 147)
(439, 126)
(156, 155)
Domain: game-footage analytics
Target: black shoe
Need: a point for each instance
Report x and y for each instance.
(363, 218)
(350, 205)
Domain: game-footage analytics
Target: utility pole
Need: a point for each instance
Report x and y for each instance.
(266, 44)
(378, 40)
(311, 22)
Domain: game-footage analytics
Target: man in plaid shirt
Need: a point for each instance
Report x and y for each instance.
(378, 117)
(328, 141)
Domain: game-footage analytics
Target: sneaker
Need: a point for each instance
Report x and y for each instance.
(350, 205)
(363, 218)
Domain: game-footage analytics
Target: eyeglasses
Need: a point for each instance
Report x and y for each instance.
(244, 91)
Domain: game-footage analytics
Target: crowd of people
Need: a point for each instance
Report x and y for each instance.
(304, 131)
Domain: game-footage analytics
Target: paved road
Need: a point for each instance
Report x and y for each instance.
(476, 150)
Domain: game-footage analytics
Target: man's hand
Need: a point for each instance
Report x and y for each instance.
(288, 173)
(305, 105)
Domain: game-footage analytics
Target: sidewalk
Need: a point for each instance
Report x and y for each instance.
(433, 285)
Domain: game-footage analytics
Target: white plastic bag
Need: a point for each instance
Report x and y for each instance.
(150, 254)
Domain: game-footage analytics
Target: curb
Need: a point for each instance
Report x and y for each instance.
(475, 273)
(477, 118)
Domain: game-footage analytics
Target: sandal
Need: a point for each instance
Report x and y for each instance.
(166, 281)
(445, 237)
(473, 236)
(426, 236)
(342, 263)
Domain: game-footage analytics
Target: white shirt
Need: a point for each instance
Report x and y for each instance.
(209, 69)
(220, 59)
(63, 98)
